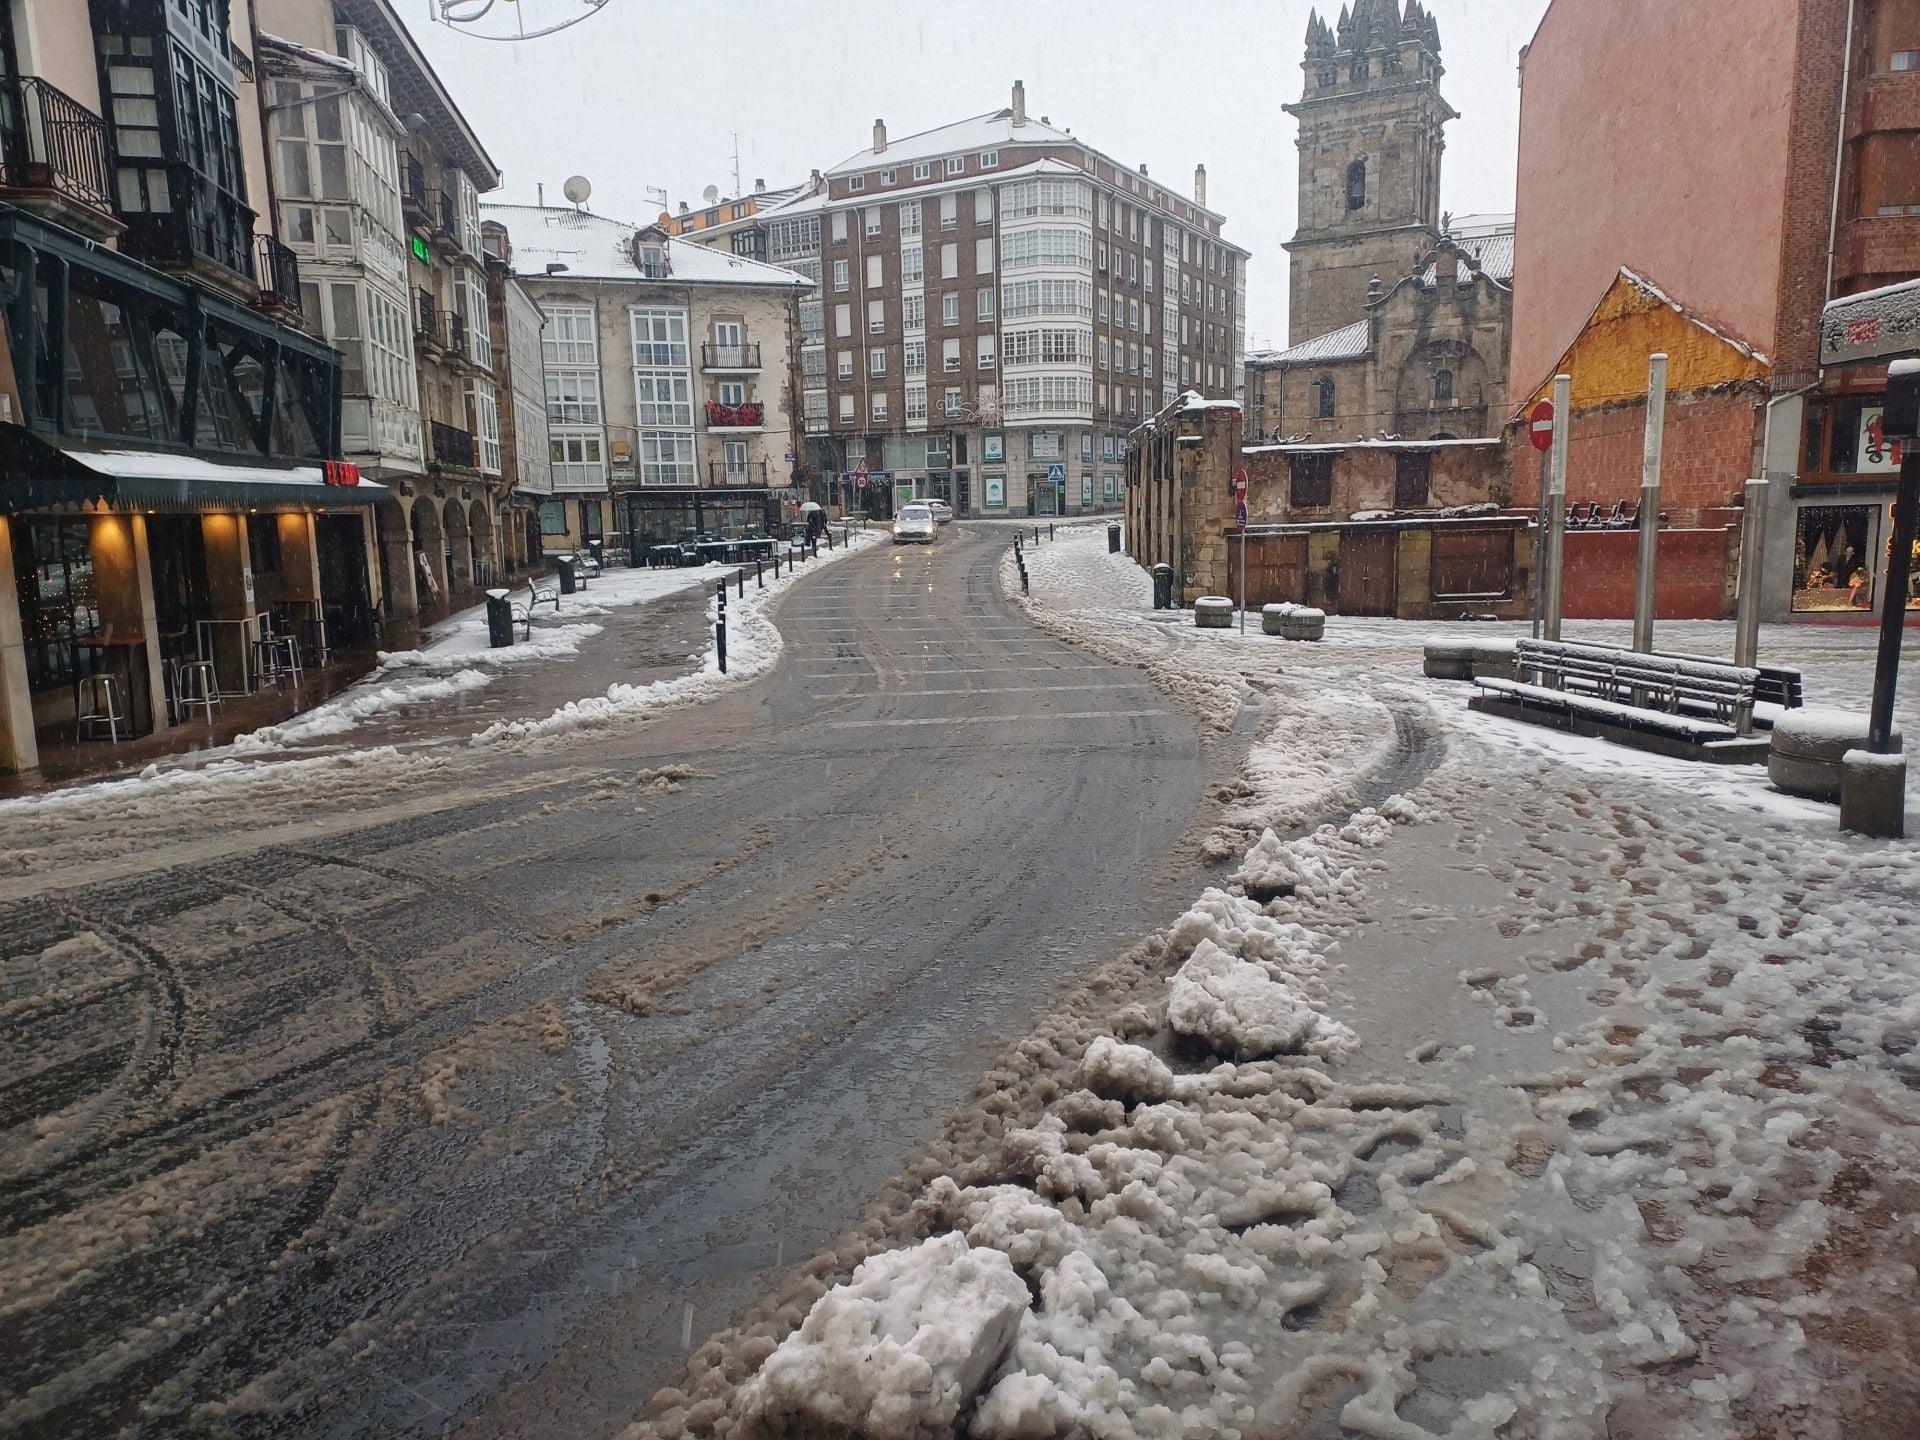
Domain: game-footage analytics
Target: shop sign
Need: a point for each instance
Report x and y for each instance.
(1044, 445)
(996, 491)
(993, 447)
(1086, 489)
(1878, 454)
(339, 472)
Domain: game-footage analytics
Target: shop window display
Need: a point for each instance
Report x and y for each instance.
(1833, 558)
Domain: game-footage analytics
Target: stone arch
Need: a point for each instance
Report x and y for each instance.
(398, 581)
(429, 557)
(459, 548)
(486, 561)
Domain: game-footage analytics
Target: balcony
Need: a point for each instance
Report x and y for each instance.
(457, 337)
(429, 322)
(208, 233)
(413, 192)
(748, 415)
(736, 358)
(54, 158)
(278, 270)
(452, 446)
(753, 472)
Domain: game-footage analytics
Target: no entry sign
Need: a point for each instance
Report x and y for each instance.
(1540, 425)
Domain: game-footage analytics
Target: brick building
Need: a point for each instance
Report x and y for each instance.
(1001, 303)
(1809, 188)
(1399, 315)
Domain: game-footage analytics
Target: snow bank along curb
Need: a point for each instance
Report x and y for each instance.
(753, 648)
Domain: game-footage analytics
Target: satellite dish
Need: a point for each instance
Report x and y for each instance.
(577, 189)
(710, 194)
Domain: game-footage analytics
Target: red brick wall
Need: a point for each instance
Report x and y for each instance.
(1706, 457)
(1693, 580)
(1818, 65)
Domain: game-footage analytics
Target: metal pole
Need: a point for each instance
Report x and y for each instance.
(1243, 579)
(1893, 603)
(1746, 618)
(1649, 561)
(1556, 516)
(1540, 548)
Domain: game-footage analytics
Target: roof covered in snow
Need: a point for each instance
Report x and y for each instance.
(1349, 342)
(978, 132)
(594, 247)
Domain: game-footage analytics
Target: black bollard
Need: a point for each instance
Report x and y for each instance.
(720, 641)
(741, 576)
(776, 564)
(1049, 529)
(759, 575)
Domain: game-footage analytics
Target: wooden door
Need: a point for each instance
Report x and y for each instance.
(1276, 569)
(1369, 572)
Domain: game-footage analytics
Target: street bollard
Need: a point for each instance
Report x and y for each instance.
(1049, 529)
(720, 641)
(776, 564)
(759, 576)
(741, 576)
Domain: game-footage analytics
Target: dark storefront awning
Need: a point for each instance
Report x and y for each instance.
(37, 476)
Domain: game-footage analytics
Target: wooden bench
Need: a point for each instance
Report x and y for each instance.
(1687, 706)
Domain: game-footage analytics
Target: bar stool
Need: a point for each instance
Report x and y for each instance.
(195, 683)
(96, 704)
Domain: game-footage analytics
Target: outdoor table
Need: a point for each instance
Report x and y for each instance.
(663, 557)
(250, 632)
(716, 549)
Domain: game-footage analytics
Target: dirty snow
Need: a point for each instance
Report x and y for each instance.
(1545, 1090)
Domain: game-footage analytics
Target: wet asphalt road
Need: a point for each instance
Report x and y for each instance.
(468, 1120)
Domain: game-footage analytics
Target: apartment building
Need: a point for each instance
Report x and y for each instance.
(378, 178)
(1000, 304)
(170, 485)
(525, 489)
(669, 393)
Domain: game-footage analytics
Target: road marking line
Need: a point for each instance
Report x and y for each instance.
(998, 719)
(980, 670)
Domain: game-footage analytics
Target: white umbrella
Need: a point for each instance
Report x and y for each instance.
(810, 505)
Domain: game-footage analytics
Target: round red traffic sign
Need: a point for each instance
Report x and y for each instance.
(1540, 425)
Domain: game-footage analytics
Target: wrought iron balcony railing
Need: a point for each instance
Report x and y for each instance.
(452, 445)
(278, 275)
(730, 357)
(50, 141)
(735, 417)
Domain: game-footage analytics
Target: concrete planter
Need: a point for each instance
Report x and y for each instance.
(1806, 753)
(1213, 612)
(1448, 660)
(1493, 659)
(1293, 622)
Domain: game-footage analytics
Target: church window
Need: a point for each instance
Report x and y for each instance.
(1357, 185)
(1323, 398)
(1329, 75)
(1443, 387)
(1412, 479)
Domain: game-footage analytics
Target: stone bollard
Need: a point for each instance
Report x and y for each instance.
(1807, 751)
(1873, 794)
(1448, 660)
(1293, 622)
(1213, 612)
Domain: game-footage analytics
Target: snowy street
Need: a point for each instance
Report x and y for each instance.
(1196, 1035)
(364, 1091)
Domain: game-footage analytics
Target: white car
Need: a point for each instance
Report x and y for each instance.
(942, 511)
(913, 523)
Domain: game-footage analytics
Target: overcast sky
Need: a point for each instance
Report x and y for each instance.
(652, 92)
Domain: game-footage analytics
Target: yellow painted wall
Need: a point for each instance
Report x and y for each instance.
(1608, 362)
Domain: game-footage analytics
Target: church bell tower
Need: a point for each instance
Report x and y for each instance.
(1371, 134)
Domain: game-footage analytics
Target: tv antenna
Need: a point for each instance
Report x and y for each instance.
(513, 19)
(736, 164)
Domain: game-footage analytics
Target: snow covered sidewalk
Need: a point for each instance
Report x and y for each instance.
(1531, 1099)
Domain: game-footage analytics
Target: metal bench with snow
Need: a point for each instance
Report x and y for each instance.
(541, 590)
(1688, 707)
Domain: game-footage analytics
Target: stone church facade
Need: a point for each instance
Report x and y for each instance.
(1399, 315)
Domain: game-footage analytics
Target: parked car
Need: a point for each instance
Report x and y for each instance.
(913, 523)
(942, 511)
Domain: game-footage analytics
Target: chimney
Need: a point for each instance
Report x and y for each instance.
(683, 207)
(1019, 102)
(1143, 167)
(759, 185)
(1200, 186)
(879, 136)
